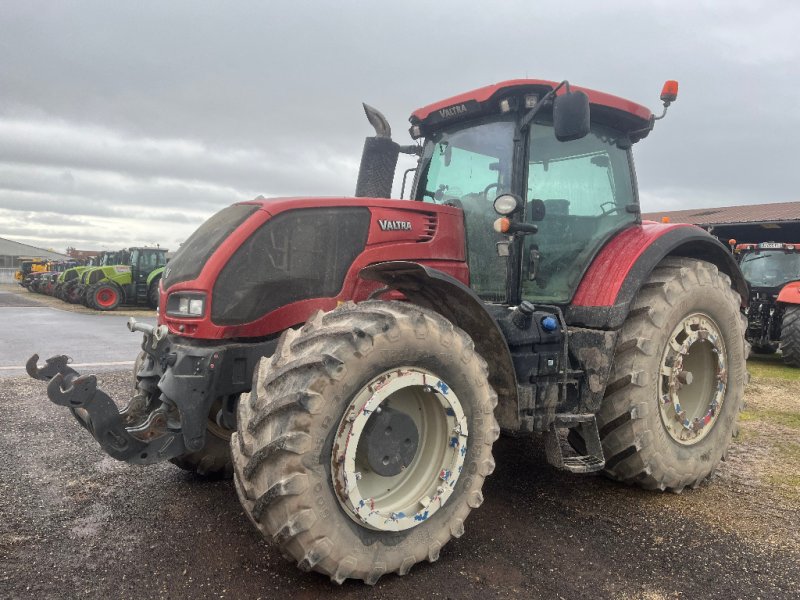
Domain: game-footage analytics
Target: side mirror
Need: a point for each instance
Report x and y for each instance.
(571, 116)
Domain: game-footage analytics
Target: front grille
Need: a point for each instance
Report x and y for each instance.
(296, 255)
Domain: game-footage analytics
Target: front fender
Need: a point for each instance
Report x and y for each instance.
(790, 294)
(438, 291)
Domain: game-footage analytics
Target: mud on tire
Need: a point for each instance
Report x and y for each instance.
(287, 426)
(637, 445)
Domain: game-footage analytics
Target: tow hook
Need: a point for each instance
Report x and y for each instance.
(151, 428)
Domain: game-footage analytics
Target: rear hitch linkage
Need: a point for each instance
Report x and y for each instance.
(151, 428)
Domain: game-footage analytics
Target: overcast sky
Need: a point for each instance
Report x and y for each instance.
(131, 123)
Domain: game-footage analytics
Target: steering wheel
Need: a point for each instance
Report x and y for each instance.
(489, 187)
(609, 211)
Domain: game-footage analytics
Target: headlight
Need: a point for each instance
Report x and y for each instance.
(187, 304)
(506, 204)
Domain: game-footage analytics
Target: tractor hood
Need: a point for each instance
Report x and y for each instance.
(257, 267)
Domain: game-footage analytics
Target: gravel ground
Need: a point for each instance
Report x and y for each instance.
(77, 523)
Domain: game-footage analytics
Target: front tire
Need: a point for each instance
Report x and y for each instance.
(790, 336)
(306, 468)
(104, 296)
(152, 294)
(214, 460)
(677, 381)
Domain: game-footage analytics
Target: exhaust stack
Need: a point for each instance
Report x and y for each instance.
(378, 159)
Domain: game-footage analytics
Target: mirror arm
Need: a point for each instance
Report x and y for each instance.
(653, 120)
(526, 120)
(663, 114)
(415, 149)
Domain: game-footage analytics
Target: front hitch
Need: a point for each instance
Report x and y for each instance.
(152, 427)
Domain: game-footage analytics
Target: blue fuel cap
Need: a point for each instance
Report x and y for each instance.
(549, 324)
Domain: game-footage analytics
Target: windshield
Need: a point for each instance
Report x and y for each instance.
(771, 269)
(468, 167)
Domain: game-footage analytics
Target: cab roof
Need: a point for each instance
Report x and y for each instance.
(497, 90)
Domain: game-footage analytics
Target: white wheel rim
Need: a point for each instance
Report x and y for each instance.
(690, 410)
(411, 497)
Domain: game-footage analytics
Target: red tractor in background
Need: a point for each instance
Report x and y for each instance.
(772, 269)
(352, 360)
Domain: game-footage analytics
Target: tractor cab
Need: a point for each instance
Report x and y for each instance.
(499, 149)
(769, 266)
(145, 260)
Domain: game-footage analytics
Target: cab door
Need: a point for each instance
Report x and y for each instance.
(586, 189)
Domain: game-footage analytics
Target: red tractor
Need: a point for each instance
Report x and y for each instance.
(772, 269)
(352, 360)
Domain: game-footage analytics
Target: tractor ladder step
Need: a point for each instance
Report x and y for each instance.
(586, 426)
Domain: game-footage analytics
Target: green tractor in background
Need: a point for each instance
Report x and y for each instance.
(74, 291)
(133, 280)
(71, 277)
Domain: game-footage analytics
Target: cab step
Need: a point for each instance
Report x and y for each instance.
(586, 424)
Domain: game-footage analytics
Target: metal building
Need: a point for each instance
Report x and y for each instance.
(752, 223)
(11, 252)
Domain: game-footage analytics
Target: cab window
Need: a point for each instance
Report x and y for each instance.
(586, 188)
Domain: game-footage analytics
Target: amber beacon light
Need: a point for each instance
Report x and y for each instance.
(669, 93)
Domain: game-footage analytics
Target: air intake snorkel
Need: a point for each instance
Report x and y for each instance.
(379, 158)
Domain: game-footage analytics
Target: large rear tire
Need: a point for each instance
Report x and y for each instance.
(677, 381)
(309, 454)
(790, 336)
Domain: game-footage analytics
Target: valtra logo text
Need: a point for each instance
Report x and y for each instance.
(452, 111)
(387, 225)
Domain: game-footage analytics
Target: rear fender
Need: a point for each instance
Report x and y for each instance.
(790, 294)
(605, 294)
(433, 289)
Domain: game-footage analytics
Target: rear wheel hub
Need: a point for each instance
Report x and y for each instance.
(693, 379)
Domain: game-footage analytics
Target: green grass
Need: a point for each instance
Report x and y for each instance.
(788, 485)
(771, 367)
(790, 450)
(787, 419)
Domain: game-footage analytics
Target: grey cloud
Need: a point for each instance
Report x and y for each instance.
(180, 108)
